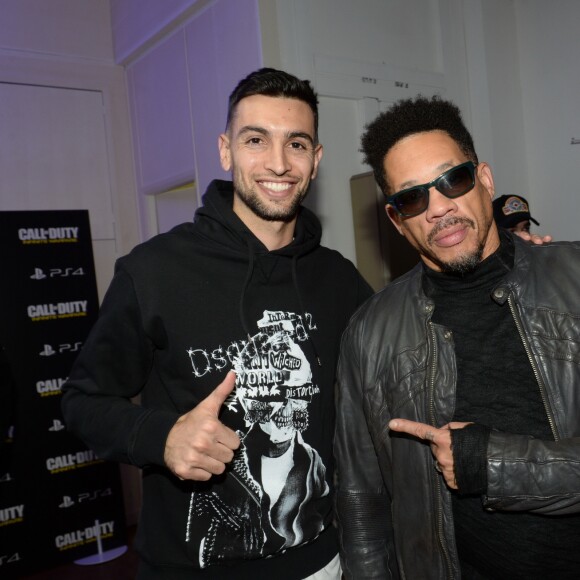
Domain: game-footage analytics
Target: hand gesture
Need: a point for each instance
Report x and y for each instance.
(199, 445)
(439, 441)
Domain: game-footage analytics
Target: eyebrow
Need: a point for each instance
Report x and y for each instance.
(265, 132)
(440, 169)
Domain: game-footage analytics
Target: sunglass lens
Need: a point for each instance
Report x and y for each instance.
(412, 202)
(457, 182)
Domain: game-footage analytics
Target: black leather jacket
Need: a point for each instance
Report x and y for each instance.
(393, 510)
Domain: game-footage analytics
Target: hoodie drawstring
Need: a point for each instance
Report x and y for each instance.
(297, 289)
(294, 270)
(249, 273)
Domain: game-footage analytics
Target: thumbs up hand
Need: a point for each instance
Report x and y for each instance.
(199, 445)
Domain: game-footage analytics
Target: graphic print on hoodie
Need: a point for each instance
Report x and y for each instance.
(275, 476)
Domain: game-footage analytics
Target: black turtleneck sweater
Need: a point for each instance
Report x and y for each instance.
(496, 388)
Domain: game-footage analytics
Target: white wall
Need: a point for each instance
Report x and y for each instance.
(548, 36)
(138, 24)
(79, 29)
(495, 92)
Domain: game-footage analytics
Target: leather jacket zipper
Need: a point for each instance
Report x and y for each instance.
(436, 478)
(535, 370)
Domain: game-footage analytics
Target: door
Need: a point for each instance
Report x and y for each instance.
(53, 155)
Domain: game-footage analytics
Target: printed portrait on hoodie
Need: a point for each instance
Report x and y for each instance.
(275, 474)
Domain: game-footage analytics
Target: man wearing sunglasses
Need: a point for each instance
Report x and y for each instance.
(458, 434)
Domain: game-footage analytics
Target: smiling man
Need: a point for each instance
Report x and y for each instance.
(228, 327)
(458, 434)
(272, 162)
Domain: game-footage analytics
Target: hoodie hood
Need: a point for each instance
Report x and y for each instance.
(216, 220)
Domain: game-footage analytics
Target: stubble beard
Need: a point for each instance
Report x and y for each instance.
(267, 212)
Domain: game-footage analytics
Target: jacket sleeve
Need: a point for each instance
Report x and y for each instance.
(362, 502)
(527, 474)
(112, 368)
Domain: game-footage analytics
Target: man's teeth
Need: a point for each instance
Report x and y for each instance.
(275, 186)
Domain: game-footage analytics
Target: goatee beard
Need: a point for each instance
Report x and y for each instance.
(464, 264)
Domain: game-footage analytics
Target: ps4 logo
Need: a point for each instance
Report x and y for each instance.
(9, 558)
(68, 501)
(57, 425)
(49, 350)
(39, 273)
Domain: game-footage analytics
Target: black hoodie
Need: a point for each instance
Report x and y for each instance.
(182, 310)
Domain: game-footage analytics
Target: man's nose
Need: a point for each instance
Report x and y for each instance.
(439, 204)
(278, 160)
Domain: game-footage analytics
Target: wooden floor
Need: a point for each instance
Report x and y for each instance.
(122, 568)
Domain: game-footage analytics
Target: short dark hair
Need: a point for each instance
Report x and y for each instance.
(274, 83)
(407, 117)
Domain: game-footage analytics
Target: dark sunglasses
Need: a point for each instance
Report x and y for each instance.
(452, 183)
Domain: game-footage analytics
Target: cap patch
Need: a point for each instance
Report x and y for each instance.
(514, 205)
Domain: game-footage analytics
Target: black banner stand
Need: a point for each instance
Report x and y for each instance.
(59, 502)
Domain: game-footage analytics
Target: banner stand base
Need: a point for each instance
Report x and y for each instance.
(102, 557)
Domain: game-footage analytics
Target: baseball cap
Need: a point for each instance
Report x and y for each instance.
(508, 210)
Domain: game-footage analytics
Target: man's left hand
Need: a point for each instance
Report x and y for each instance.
(534, 238)
(439, 441)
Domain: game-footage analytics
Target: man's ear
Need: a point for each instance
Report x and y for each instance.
(485, 176)
(317, 157)
(225, 152)
(394, 217)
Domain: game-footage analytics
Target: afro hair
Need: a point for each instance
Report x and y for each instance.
(407, 117)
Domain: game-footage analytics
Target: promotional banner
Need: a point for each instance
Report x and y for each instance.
(59, 502)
